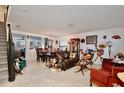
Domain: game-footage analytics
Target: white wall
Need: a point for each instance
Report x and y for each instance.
(55, 46)
(31, 53)
(118, 45)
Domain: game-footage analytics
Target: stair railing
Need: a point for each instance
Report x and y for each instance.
(10, 49)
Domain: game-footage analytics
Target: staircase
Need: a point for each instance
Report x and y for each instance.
(3, 53)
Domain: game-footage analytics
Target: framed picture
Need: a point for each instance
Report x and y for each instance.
(91, 39)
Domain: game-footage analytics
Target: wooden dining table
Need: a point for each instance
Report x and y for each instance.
(46, 55)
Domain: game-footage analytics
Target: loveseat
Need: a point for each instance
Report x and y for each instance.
(66, 61)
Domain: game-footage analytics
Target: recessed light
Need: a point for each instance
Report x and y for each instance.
(14, 19)
(18, 26)
(23, 9)
(71, 25)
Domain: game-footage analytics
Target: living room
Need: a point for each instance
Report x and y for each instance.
(69, 29)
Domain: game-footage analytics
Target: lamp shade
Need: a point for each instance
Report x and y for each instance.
(116, 37)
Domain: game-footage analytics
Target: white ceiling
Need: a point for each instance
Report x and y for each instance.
(64, 20)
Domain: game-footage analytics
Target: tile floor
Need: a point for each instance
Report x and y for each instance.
(38, 75)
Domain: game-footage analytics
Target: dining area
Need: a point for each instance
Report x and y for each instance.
(44, 54)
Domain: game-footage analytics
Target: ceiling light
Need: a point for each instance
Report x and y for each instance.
(18, 26)
(71, 25)
(23, 9)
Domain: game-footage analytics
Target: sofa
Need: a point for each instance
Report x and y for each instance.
(107, 75)
(64, 59)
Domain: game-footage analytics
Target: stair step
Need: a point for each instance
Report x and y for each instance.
(3, 65)
(4, 73)
(2, 25)
(3, 54)
(3, 49)
(3, 69)
(2, 30)
(3, 43)
(3, 59)
(3, 62)
(2, 34)
(2, 22)
(4, 78)
(2, 37)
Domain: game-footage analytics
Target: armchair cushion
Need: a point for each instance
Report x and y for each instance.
(117, 69)
(107, 66)
(100, 75)
(72, 55)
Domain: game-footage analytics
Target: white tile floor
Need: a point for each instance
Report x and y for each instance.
(38, 75)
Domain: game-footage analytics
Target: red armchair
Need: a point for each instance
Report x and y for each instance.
(107, 75)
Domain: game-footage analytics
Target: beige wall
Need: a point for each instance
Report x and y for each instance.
(2, 11)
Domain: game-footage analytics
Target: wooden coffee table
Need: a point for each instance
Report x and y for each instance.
(82, 67)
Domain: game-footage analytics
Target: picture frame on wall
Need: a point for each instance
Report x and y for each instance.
(91, 39)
